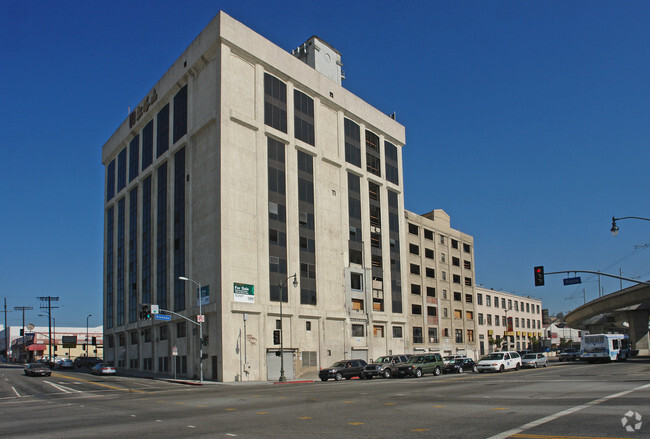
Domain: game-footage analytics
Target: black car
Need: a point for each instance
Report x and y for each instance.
(343, 369)
(37, 369)
(461, 365)
(86, 361)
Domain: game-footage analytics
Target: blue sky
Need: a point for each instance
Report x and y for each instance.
(527, 122)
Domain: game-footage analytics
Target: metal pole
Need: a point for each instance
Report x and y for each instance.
(89, 316)
(200, 325)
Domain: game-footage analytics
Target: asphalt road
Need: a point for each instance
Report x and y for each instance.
(565, 400)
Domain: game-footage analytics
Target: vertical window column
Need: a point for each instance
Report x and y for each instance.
(395, 264)
(392, 164)
(146, 240)
(277, 219)
(355, 244)
(374, 201)
(133, 254)
(352, 143)
(180, 114)
(161, 238)
(306, 229)
(120, 261)
(275, 103)
(179, 230)
(109, 322)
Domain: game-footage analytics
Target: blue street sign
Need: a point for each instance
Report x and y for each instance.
(165, 317)
(572, 280)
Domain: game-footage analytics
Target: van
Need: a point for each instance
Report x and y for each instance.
(499, 362)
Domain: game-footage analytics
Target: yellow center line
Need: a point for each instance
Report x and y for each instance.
(100, 384)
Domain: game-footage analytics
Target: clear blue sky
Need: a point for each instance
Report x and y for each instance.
(527, 122)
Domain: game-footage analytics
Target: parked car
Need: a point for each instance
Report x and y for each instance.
(86, 361)
(499, 362)
(460, 365)
(66, 363)
(534, 360)
(103, 369)
(343, 369)
(418, 365)
(37, 369)
(525, 352)
(572, 354)
(451, 358)
(384, 366)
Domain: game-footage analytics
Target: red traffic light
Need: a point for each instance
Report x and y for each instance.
(539, 275)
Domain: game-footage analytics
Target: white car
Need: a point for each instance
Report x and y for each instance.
(499, 362)
(534, 360)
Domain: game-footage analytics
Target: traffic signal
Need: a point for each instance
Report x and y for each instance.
(276, 336)
(145, 314)
(539, 276)
(94, 341)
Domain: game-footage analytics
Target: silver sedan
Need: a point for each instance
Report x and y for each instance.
(534, 360)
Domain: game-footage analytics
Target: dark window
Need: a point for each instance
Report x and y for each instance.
(428, 234)
(428, 253)
(455, 261)
(147, 145)
(356, 281)
(468, 298)
(357, 331)
(456, 278)
(180, 114)
(397, 332)
(431, 292)
(110, 180)
(352, 143)
(414, 249)
(432, 311)
(415, 269)
(467, 248)
(395, 264)
(121, 170)
(454, 243)
(468, 281)
(275, 103)
(430, 272)
(306, 230)
(162, 131)
(373, 161)
(459, 335)
(417, 335)
(392, 165)
(467, 265)
(181, 329)
(413, 229)
(416, 289)
(303, 117)
(416, 309)
(134, 157)
(458, 296)
(164, 332)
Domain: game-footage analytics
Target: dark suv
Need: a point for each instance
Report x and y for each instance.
(418, 365)
(569, 354)
(385, 366)
(86, 361)
(343, 369)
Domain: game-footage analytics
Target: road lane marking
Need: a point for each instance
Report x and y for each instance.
(15, 391)
(262, 413)
(554, 436)
(63, 389)
(102, 385)
(304, 417)
(544, 420)
(420, 429)
(355, 423)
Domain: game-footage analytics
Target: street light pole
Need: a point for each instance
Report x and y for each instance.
(187, 279)
(282, 285)
(89, 316)
(614, 228)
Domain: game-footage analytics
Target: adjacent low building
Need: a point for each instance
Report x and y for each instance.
(507, 321)
(65, 342)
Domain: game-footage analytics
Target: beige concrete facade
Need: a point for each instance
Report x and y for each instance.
(220, 166)
(441, 297)
(502, 314)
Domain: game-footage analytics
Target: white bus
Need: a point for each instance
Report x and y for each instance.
(605, 347)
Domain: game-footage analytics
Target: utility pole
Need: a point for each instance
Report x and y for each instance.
(49, 300)
(6, 333)
(23, 308)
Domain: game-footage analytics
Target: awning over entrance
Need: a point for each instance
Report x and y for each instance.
(36, 347)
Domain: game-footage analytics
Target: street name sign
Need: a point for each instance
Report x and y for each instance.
(165, 317)
(572, 280)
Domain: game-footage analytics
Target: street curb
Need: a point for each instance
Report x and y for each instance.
(294, 382)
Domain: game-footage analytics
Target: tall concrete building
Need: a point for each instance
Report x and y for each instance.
(441, 297)
(242, 166)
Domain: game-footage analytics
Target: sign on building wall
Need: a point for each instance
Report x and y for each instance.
(204, 297)
(69, 341)
(244, 293)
